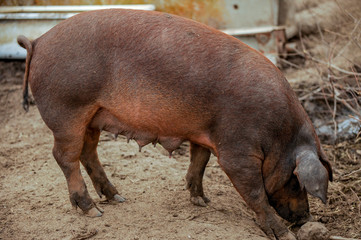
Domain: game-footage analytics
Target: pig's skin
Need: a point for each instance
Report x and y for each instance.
(155, 77)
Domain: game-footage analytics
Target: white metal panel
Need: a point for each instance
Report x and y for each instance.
(250, 13)
(33, 21)
(72, 8)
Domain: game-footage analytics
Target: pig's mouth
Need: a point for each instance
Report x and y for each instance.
(292, 210)
(297, 218)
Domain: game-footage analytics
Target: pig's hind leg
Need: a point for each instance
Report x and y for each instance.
(74, 142)
(89, 159)
(199, 159)
(68, 144)
(245, 172)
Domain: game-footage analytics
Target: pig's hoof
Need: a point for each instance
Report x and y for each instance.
(118, 198)
(114, 200)
(200, 201)
(94, 212)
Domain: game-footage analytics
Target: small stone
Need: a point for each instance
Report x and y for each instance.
(313, 231)
(324, 219)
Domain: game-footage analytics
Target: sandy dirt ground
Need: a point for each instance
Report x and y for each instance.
(34, 198)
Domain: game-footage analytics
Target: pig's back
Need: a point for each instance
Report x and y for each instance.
(131, 46)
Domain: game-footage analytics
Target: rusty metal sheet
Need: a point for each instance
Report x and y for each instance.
(221, 14)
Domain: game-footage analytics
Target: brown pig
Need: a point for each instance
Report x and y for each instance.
(159, 78)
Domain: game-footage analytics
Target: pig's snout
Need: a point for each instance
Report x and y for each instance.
(294, 211)
(291, 203)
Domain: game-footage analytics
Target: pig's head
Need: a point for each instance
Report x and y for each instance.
(310, 175)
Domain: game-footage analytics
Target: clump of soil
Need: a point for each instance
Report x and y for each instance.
(313, 231)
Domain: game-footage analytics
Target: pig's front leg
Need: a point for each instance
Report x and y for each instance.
(245, 173)
(199, 159)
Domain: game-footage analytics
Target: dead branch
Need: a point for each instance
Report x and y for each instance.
(345, 11)
(317, 90)
(351, 173)
(348, 106)
(333, 66)
(359, 201)
(334, 92)
(353, 33)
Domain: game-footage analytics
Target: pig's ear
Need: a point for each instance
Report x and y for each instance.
(326, 163)
(311, 174)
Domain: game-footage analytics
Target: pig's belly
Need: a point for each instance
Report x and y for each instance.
(145, 131)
